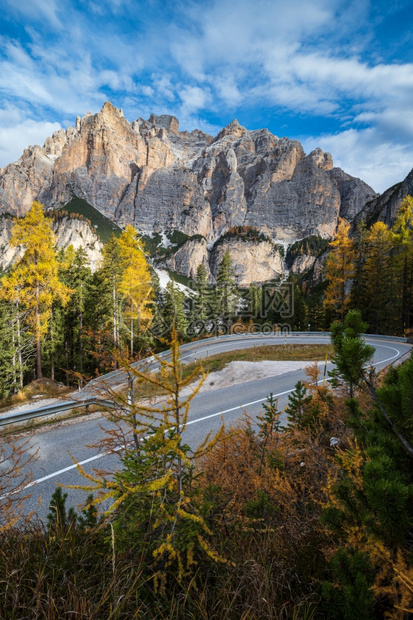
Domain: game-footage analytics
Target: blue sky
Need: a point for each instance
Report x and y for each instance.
(331, 73)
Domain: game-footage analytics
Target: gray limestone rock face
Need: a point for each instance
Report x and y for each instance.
(78, 233)
(319, 265)
(68, 231)
(253, 261)
(23, 181)
(384, 208)
(188, 258)
(302, 263)
(353, 192)
(8, 254)
(295, 201)
(172, 199)
(151, 174)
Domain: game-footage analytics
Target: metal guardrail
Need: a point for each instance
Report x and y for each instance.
(23, 416)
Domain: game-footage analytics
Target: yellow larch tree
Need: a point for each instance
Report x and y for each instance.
(35, 276)
(155, 509)
(135, 284)
(339, 269)
(378, 277)
(402, 232)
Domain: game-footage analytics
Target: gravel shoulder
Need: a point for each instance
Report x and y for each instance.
(242, 372)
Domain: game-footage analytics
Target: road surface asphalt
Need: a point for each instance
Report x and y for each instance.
(56, 444)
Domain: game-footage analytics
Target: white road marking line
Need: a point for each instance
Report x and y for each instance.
(212, 415)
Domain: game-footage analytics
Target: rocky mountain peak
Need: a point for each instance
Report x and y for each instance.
(158, 178)
(233, 129)
(321, 159)
(108, 110)
(170, 123)
(384, 208)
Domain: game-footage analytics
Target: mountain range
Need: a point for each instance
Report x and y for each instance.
(194, 196)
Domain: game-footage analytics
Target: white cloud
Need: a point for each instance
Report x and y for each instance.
(193, 98)
(148, 91)
(17, 133)
(304, 57)
(224, 34)
(162, 84)
(37, 9)
(365, 155)
(227, 90)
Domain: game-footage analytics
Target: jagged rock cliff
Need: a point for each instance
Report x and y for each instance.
(149, 173)
(384, 207)
(152, 175)
(253, 261)
(188, 257)
(68, 231)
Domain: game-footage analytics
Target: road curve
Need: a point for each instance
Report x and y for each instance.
(208, 409)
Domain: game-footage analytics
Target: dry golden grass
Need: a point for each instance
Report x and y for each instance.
(281, 353)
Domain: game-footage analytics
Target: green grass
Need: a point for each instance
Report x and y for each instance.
(153, 243)
(104, 227)
(179, 277)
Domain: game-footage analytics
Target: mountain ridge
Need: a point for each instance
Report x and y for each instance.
(158, 178)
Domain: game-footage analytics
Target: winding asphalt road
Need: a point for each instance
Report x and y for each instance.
(208, 409)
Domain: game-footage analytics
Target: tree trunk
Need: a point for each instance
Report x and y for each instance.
(114, 314)
(81, 350)
(405, 311)
(131, 329)
(52, 347)
(19, 350)
(81, 336)
(67, 362)
(14, 362)
(38, 339)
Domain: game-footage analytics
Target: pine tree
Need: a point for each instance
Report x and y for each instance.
(201, 302)
(297, 408)
(76, 273)
(339, 269)
(16, 345)
(9, 371)
(55, 363)
(370, 509)
(299, 318)
(110, 274)
(359, 296)
(173, 310)
(59, 518)
(351, 353)
(225, 292)
(35, 276)
(351, 357)
(158, 329)
(269, 424)
(254, 301)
